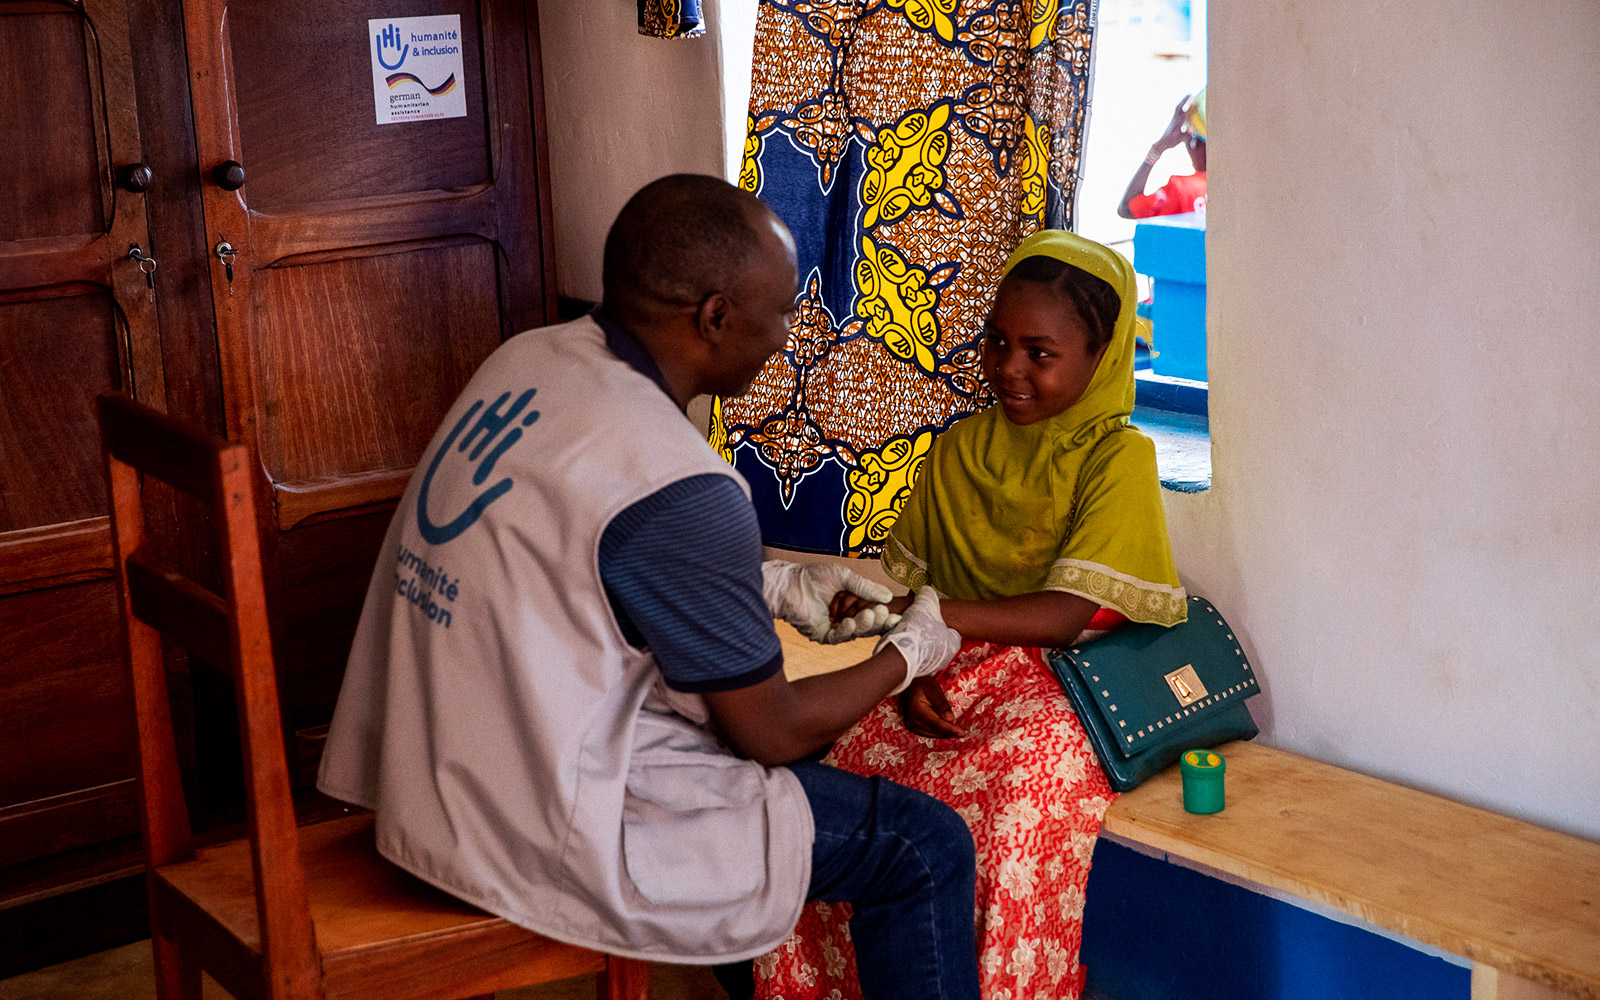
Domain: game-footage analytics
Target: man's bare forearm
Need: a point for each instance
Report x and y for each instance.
(778, 721)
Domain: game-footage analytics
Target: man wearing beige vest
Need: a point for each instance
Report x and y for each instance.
(565, 700)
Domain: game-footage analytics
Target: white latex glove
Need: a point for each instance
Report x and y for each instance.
(800, 596)
(922, 638)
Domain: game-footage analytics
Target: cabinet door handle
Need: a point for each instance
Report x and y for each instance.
(229, 175)
(135, 177)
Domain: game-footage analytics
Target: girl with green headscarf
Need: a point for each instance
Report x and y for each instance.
(1036, 496)
(1039, 517)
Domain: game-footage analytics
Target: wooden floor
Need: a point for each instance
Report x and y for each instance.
(125, 974)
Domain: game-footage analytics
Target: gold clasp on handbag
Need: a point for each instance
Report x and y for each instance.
(1185, 684)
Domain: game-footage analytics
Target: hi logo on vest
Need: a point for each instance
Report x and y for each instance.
(485, 433)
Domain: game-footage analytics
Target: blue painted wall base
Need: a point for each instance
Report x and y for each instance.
(1158, 931)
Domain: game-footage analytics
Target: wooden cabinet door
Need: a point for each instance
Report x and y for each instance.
(76, 319)
(375, 266)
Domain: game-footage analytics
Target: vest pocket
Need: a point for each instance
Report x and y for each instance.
(695, 834)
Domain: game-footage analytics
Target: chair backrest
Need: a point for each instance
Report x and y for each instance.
(230, 632)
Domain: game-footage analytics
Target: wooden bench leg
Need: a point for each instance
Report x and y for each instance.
(1489, 983)
(624, 979)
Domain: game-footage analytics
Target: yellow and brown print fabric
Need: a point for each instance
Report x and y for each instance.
(671, 18)
(909, 145)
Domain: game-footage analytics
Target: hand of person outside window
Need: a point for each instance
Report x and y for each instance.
(1177, 129)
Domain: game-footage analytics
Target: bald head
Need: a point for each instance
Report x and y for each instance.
(703, 274)
(680, 239)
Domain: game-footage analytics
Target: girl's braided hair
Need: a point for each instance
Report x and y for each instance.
(1096, 301)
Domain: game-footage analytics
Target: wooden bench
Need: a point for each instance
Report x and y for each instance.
(1521, 902)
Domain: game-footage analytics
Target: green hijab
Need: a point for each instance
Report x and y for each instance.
(1070, 503)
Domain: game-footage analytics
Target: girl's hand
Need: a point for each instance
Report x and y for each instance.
(847, 605)
(927, 711)
(803, 596)
(853, 616)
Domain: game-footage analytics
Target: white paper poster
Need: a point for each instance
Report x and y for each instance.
(417, 68)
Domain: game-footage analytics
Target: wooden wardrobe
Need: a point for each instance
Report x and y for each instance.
(322, 287)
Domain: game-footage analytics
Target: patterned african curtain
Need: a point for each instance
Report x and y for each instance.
(909, 145)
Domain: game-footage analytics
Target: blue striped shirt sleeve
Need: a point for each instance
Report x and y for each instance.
(682, 568)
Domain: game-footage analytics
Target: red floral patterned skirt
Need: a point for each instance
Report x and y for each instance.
(1027, 783)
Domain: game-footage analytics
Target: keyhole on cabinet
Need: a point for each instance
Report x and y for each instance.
(226, 253)
(146, 264)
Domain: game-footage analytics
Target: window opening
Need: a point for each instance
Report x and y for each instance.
(1150, 55)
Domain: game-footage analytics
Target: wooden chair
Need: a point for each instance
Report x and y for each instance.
(286, 914)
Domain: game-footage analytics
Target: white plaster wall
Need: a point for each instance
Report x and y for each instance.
(621, 110)
(1404, 258)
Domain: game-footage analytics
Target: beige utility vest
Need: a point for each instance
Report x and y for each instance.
(518, 752)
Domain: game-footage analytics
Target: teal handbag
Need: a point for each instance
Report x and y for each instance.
(1145, 693)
